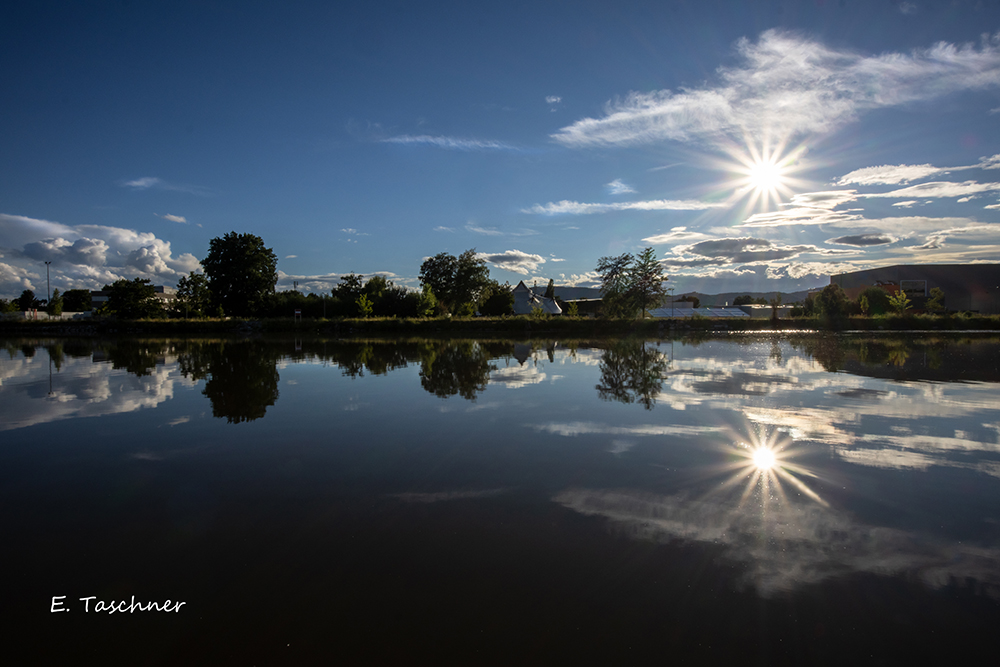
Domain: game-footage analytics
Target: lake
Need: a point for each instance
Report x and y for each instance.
(809, 499)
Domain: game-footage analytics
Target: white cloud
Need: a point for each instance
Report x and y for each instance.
(487, 231)
(588, 279)
(493, 231)
(891, 174)
(616, 187)
(89, 256)
(675, 235)
(909, 203)
(938, 189)
(937, 239)
(173, 218)
(291, 256)
(441, 228)
(553, 99)
(15, 279)
(789, 85)
(810, 208)
(451, 143)
(513, 260)
(581, 208)
(154, 183)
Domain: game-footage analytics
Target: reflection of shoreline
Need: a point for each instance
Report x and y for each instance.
(791, 545)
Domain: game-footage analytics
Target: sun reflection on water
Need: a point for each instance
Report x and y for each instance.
(766, 465)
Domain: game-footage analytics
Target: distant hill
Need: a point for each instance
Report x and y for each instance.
(725, 298)
(569, 293)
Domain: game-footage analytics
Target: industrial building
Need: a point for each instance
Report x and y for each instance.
(966, 287)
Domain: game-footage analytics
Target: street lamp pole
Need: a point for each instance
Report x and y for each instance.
(48, 289)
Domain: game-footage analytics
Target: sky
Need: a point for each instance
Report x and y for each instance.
(756, 146)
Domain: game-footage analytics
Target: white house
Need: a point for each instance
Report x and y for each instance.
(525, 301)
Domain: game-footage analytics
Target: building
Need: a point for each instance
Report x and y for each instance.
(526, 301)
(165, 294)
(966, 287)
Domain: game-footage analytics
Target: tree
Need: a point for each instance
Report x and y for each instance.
(631, 284)
(899, 302)
(695, 301)
(438, 273)
(427, 303)
(744, 300)
(775, 303)
(878, 300)
(614, 272)
(832, 301)
(498, 300)
(936, 303)
(241, 272)
(133, 299)
(193, 295)
(27, 301)
(456, 280)
(76, 300)
(646, 278)
(364, 305)
(349, 288)
(55, 304)
(550, 290)
(472, 277)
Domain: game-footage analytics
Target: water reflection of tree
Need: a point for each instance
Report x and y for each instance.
(930, 357)
(136, 356)
(456, 367)
(242, 377)
(377, 358)
(631, 372)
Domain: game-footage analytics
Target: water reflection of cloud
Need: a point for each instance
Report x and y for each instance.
(571, 429)
(515, 377)
(82, 388)
(792, 544)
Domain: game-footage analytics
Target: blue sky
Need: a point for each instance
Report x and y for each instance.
(754, 145)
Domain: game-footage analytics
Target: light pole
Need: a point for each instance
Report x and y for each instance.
(48, 290)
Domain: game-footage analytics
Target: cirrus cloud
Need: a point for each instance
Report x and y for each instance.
(791, 84)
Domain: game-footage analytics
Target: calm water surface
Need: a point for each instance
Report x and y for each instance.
(787, 500)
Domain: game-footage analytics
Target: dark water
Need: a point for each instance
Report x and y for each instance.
(322, 501)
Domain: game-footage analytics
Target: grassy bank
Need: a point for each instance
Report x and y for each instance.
(515, 326)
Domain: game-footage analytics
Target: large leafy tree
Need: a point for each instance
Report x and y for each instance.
(241, 272)
(832, 301)
(76, 300)
(27, 301)
(456, 281)
(438, 273)
(133, 299)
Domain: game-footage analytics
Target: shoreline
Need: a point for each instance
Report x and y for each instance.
(503, 326)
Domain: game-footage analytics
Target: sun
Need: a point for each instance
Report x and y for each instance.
(766, 177)
(763, 172)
